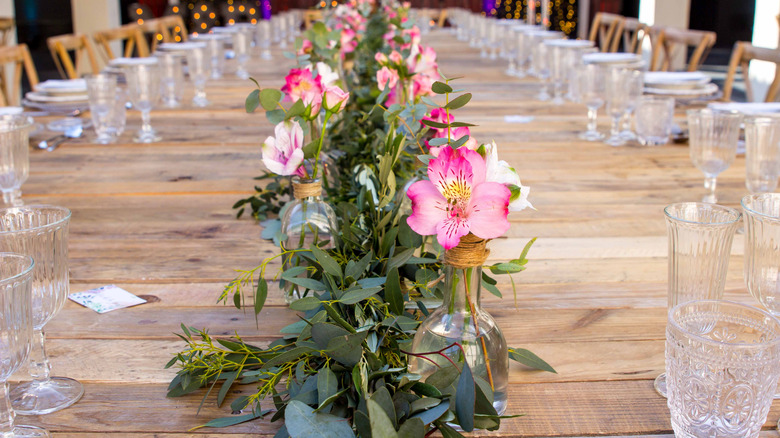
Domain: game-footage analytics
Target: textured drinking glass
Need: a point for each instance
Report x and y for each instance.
(635, 82)
(542, 63)
(143, 85)
(199, 69)
(171, 67)
(762, 248)
(700, 237)
(215, 52)
(590, 82)
(654, 120)
(617, 95)
(264, 39)
(241, 49)
(713, 139)
(15, 334)
(41, 232)
(762, 153)
(14, 157)
(107, 106)
(723, 363)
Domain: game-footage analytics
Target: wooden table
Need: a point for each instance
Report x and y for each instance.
(157, 221)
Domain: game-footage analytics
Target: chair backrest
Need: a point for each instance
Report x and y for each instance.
(172, 28)
(131, 34)
(20, 57)
(6, 28)
(670, 41)
(606, 30)
(59, 46)
(634, 34)
(741, 56)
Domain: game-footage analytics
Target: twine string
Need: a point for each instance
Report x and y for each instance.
(307, 189)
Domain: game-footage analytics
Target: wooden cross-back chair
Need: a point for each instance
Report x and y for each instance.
(669, 41)
(634, 34)
(82, 47)
(172, 28)
(741, 56)
(130, 34)
(19, 56)
(6, 28)
(606, 30)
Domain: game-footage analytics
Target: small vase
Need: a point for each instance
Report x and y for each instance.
(461, 320)
(308, 220)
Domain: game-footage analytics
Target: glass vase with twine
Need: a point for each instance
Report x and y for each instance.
(307, 221)
(460, 329)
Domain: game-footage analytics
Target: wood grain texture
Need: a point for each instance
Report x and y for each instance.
(157, 221)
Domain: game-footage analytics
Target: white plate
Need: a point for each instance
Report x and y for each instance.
(180, 47)
(609, 58)
(569, 43)
(543, 33)
(748, 108)
(129, 62)
(60, 86)
(704, 90)
(10, 110)
(36, 96)
(676, 80)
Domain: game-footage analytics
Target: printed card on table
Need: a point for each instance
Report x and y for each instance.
(107, 298)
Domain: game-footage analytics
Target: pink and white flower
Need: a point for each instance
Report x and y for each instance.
(283, 154)
(335, 99)
(458, 200)
(300, 84)
(455, 134)
(386, 78)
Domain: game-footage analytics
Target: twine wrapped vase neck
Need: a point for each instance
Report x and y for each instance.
(307, 188)
(470, 252)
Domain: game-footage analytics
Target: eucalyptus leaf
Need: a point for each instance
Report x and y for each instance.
(252, 101)
(327, 384)
(302, 422)
(430, 415)
(346, 350)
(323, 332)
(327, 262)
(393, 294)
(270, 98)
(459, 101)
(358, 295)
(261, 294)
(230, 421)
(382, 398)
(381, 426)
(529, 359)
(441, 88)
(305, 303)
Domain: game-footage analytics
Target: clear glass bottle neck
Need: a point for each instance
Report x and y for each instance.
(463, 288)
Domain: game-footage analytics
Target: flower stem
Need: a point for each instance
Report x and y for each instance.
(467, 274)
(319, 143)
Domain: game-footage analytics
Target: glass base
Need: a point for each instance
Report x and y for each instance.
(709, 199)
(615, 141)
(627, 135)
(591, 136)
(660, 385)
(266, 55)
(30, 432)
(200, 101)
(35, 398)
(146, 137)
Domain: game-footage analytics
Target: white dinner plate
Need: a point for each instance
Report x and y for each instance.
(704, 90)
(129, 62)
(180, 47)
(676, 80)
(37, 96)
(609, 58)
(748, 108)
(60, 86)
(569, 43)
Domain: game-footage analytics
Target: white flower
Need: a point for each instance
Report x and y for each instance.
(327, 76)
(502, 173)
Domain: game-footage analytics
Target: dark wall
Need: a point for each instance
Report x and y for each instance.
(37, 20)
(731, 20)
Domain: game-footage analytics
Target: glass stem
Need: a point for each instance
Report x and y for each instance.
(710, 182)
(592, 118)
(627, 120)
(6, 413)
(615, 131)
(146, 121)
(40, 368)
(200, 89)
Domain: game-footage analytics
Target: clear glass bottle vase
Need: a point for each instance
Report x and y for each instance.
(307, 220)
(461, 329)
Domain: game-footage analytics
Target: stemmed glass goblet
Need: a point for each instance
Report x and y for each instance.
(591, 92)
(41, 232)
(713, 139)
(199, 67)
(14, 157)
(762, 153)
(16, 318)
(143, 84)
(617, 101)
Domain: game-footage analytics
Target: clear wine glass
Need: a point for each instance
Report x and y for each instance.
(264, 39)
(713, 139)
(634, 87)
(143, 84)
(15, 335)
(41, 231)
(14, 156)
(590, 80)
(617, 101)
(199, 68)
(542, 68)
(241, 49)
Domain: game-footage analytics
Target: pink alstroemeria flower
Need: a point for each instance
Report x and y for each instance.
(457, 200)
(300, 84)
(335, 99)
(283, 154)
(386, 78)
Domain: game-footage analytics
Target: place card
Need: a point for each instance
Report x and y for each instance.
(107, 298)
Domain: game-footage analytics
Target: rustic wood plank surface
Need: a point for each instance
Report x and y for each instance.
(157, 221)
